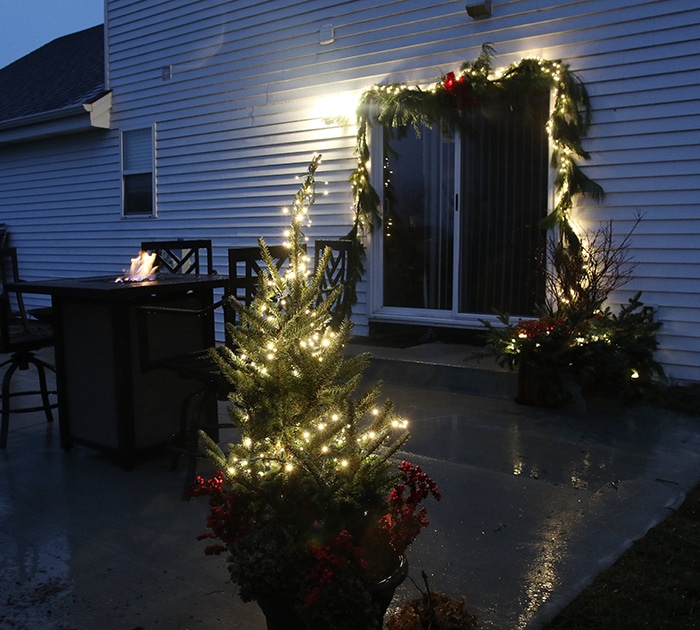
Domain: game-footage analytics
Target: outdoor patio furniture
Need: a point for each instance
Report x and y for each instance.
(106, 399)
(334, 274)
(21, 337)
(182, 255)
(245, 265)
(42, 313)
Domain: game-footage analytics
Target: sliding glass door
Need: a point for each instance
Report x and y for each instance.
(462, 215)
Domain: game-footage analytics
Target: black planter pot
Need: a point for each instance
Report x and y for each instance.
(281, 614)
(542, 387)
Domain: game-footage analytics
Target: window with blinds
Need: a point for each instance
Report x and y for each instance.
(137, 172)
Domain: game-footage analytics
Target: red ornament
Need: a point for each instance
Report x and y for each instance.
(460, 89)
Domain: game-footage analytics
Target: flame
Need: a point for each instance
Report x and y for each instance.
(141, 268)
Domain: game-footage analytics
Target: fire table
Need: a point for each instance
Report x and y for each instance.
(111, 393)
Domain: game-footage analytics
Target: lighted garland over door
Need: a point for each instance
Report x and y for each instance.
(463, 206)
(462, 228)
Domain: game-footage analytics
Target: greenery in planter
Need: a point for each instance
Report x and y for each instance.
(309, 503)
(576, 341)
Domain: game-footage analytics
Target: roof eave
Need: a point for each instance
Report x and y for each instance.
(67, 120)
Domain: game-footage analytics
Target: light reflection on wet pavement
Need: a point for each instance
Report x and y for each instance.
(535, 503)
(548, 498)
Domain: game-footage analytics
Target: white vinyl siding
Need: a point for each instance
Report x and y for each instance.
(242, 114)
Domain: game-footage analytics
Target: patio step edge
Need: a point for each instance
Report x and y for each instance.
(440, 367)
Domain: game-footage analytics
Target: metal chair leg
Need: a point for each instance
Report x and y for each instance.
(6, 401)
(41, 367)
(21, 362)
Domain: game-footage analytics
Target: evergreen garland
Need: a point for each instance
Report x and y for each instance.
(395, 106)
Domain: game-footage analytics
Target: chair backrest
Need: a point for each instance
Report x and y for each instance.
(17, 331)
(182, 255)
(335, 273)
(244, 267)
(12, 300)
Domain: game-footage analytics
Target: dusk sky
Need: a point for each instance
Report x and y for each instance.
(26, 25)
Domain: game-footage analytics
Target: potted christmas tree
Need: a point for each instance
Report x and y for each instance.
(312, 512)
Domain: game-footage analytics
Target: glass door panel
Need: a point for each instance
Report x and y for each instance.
(483, 254)
(418, 234)
(504, 193)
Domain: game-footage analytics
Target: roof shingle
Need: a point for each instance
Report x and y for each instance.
(67, 71)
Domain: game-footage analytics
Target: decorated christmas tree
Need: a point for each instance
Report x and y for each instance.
(292, 383)
(308, 501)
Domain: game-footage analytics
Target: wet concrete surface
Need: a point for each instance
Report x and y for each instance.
(535, 503)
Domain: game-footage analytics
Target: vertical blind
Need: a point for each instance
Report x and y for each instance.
(504, 195)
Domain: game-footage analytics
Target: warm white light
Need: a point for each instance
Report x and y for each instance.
(338, 108)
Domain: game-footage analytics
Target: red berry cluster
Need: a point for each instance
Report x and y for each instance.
(404, 520)
(337, 554)
(226, 522)
(535, 328)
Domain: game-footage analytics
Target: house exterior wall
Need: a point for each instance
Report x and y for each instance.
(238, 92)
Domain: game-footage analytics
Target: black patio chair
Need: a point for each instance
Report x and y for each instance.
(335, 273)
(21, 337)
(42, 313)
(182, 255)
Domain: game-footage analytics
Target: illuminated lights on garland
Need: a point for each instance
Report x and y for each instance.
(396, 105)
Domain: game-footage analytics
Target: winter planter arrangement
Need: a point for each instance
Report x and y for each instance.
(312, 512)
(579, 345)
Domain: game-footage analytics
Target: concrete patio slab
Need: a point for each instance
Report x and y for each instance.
(535, 503)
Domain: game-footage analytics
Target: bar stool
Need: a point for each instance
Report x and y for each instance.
(21, 337)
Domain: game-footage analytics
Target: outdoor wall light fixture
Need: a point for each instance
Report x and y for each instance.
(326, 35)
(479, 9)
